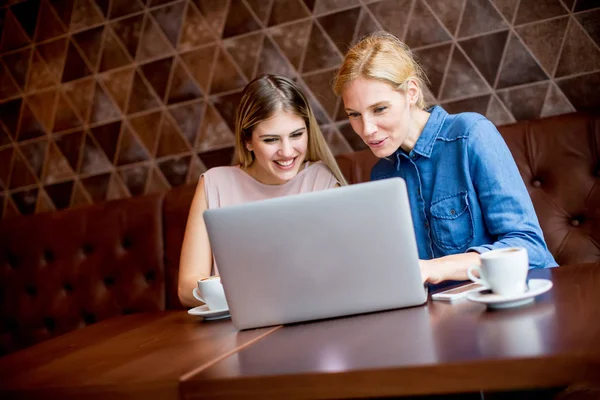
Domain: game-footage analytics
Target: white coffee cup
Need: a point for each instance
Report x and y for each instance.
(210, 291)
(503, 271)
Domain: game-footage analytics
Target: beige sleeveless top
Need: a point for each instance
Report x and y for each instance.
(228, 186)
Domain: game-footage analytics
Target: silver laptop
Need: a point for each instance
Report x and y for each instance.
(332, 253)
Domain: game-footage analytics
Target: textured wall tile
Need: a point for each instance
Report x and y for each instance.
(580, 53)
(530, 11)
(480, 16)
(284, 11)
(519, 67)
(543, 39)
(340, 27)
(525, 102)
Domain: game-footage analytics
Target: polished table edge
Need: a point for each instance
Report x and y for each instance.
(209, 364)
(21, 362)
(450, 378)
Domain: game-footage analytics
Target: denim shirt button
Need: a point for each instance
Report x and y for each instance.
(452, 212)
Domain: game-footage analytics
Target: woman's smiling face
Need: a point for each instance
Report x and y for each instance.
(279, 144)
(379, 114)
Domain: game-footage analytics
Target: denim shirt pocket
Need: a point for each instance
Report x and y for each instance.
(451, 221)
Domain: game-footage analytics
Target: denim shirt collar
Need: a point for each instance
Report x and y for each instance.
(430, 133)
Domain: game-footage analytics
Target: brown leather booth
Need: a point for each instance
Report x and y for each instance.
(64, 270)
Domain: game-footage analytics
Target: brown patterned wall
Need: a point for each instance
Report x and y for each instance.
(105, 99)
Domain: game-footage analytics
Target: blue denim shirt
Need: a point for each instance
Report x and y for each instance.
(465, 191)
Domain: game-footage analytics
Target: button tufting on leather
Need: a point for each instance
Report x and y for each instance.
(87, 248)
(68, 288)
(536, 183)
(150, 276)
(31, 290)
(49, 323)
(109, 281)
(88, 318)
(12, 260)
(575, 222)
(48, 256)
(126, 242)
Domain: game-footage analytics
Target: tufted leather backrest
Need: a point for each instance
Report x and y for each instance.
(558, 158)
(64, 270)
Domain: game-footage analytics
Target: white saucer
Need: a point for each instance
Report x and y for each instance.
(536, 287)
(208, 314)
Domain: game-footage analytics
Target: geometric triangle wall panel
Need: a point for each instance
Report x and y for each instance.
(292, 40)
(153, 43)
(200, 63)
(108, 99)
(244, 52)
(121, 8)
(130, 149)
(18, 65)
(272, 61)
(114, 55)
(260, 8)
(462, 79)
(448, 12)
(175, 170)
(85, 14)
(582, 91)
(580, 53)
(188, 118)
(320, 54)
(519, 67)
(525, 102)
(239, 20)
(169, 19)
(480, 16)
(424, 29)
(93, 159)
(530, 11)
(284, 11)
(433, 60)
(556, 103)
(195, 31)
(35, 155)
(214, 12)
(392, 15)
(142, 98)
(90, 42)
(226, 77)
(171, 142)
(590, 21)
(128, 31)
(146, 127)
(118, 84)
(340, 27)
(544, 39)
(486, 52)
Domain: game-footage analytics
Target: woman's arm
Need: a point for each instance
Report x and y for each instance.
(506, 206)
(196, 254)
(453, 267)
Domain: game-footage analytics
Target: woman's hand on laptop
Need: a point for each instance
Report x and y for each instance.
(452, 267)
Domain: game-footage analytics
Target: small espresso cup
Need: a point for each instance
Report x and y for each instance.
(503, 271)
(210, 291)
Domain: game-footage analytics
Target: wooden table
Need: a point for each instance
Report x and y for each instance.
(128, 357)
(438, 348)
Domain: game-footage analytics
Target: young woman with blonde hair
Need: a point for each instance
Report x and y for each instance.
(281, 151)
(466, 194)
